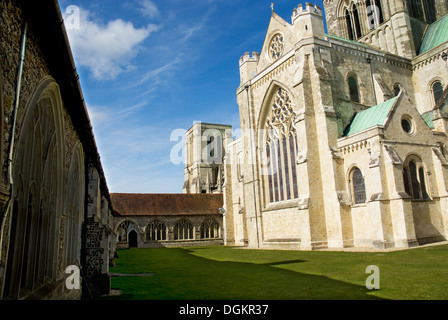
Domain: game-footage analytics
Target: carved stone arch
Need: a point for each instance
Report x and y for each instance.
(266, 106)
(38, 166)
(74, 205)
(47, 88)
(278, 148)
(417, 184)
(356, 189)
(431, 86)
(118, 225)
(184, 229)
(123, 227)
(342, 6)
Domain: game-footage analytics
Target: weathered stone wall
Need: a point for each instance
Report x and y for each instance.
(36, 75)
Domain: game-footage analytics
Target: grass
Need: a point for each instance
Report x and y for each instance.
(226, 273)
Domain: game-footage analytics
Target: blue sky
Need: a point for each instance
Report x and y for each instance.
(150, 67)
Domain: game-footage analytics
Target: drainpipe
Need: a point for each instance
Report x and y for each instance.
(253, 165)
(13, 131)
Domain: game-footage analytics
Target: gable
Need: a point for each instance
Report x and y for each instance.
(277, 26)
(406, 123)
(390, 115)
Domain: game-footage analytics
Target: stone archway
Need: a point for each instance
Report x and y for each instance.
(133, 239)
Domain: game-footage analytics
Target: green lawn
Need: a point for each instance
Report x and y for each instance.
(225, 273)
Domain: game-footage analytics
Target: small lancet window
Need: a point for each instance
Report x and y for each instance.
(353, 89)
(437, 91)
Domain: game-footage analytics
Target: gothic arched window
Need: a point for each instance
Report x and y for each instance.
(210, 229)
(414, 179)
(353, 89)
(124, 229)
(156, 231)
(183, 230)
(356, 22)
(75, 194)
(348, 21)
(281, 149)
(38, 173)
(437, 91)
(358, 186)
(374, 13)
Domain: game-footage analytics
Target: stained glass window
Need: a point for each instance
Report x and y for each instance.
(359, 186)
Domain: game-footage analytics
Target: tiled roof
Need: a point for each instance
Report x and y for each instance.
(435, 35)
(132, 204)
(374, 116)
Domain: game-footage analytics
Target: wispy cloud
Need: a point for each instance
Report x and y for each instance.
(156, 73)
(148, 9)
(107, 50)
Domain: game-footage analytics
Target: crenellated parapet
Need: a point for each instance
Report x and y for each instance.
(309, 9)
(248, 66)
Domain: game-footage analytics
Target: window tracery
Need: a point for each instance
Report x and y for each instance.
(210, 229)
(358, 186)
(414, 179)
(124, 229)
(35, 227)
(281, 148)
(183, 230)
(276, 47)
(156, 231)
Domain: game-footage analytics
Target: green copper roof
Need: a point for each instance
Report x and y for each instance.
(435, 35)
(348, 41)
(429, 117)
(374, 116)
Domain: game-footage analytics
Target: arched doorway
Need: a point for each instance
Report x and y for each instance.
(133, 241)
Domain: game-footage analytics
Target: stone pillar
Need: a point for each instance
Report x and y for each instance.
(95, 248)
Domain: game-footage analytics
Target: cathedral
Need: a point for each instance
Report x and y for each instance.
(344, 131)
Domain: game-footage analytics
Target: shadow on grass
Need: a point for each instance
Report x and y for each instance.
(180, 275)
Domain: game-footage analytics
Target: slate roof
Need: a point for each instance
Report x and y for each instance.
(132, 204)
(435, 35)
(374, 116)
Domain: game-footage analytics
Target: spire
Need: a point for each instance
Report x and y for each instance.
(272, 6)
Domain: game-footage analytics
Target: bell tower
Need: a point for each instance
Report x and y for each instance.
(395, 26)
(205, 148)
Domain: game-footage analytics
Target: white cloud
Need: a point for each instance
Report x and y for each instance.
(107, 49)
(149, 9)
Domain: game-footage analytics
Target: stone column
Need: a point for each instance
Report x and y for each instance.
(97, 280)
